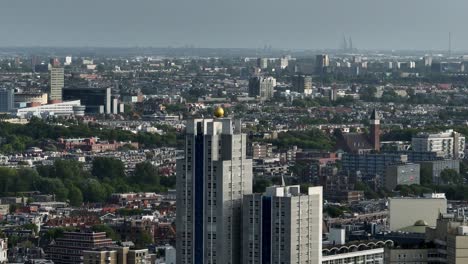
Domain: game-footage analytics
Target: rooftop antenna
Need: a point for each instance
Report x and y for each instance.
(283, 183)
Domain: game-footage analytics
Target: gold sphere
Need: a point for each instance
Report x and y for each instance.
(219, 112)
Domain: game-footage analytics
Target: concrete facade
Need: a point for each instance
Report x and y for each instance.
(212, 179)
(282, 226)
(401, 174)
(405, 211)
(449, 144)
(6, 100)
(56, 83)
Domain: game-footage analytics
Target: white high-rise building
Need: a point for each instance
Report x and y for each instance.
(284, 62)
(68, 60)
(56, 83)
(449, 144)
(262, 87)
(282, 226)
(212, 179)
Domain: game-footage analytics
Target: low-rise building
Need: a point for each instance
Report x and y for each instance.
(401, 174)
(406, 211)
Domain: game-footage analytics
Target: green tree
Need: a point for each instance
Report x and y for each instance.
(451, 176)
(260, 185)
(426, 176)
(75, 196)
(109, 168)
(146, 175)
(110, 232)
(93, 191)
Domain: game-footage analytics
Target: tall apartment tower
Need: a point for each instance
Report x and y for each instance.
(282, 226)
(322, 61)
(302, 84)
(375, 130)
(212, 179)
(7, 100)
(262, 87)
(56, 84)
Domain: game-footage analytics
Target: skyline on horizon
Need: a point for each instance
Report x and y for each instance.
(293, 25)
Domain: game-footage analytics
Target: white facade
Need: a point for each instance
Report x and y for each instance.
(58, 109)
(68, 60)
(449, 144)
(405, 211)
(263, 87)
(211, 182)
(56, 83)
(3, 251)
(369, 256)
(283, 226)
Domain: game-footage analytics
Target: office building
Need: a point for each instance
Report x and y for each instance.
(371, 164)
(116, 255)
(262, 63)
(7, 99)
(262, 87)
(358, 253)
(302, 84)
(407, 255)
(69, 248)
(68, 108)
(284, 62)
(435, 168)
(322, 61)
(68, 60)
(401, 174)
(56, 83)
(96, 100)
(212, 179)
(32, 98)
(282, 226)
(449, 144)
(406, 211)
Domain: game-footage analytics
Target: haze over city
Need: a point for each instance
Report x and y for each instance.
(296, 24)
(233, 132)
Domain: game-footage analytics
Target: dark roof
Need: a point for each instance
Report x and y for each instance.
(353, 142)
(375, 115)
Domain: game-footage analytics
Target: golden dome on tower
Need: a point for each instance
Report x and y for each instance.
(219, 112)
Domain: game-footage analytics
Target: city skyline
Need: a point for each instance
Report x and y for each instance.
(398, 25)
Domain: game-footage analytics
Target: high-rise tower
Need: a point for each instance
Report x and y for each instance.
(56, 83)
(375, 130)
(282, 226)
(211, 181)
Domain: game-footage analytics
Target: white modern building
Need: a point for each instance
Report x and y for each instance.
(68, 60)
(56, 83)
(68, 108)
(371, 252)
(282, 226)
(449, 144)
(212, 179)
(406, 211)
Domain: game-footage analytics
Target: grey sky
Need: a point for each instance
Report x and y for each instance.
(375, 24)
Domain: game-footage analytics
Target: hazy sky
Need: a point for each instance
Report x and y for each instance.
(374, 24)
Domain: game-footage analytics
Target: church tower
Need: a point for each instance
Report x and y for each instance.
(375, 130)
